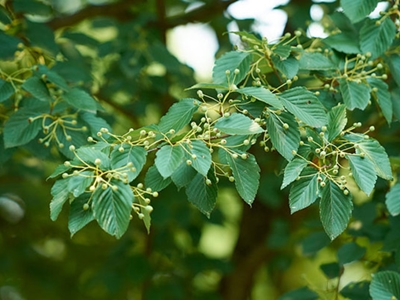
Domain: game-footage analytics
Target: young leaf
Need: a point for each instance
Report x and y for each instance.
(335, 209)
(393, 200)
(315, 61)
(60, 196)
(37, 88)
(168, 159)
(179, 115)
(377, 38)
(6, 90)
(304, 191)
(130, 154)
(261, 94)
(357, 10)
(80, 100)
(247, 176)
(375, 153)
(78, 216)
(155, 181)
(112, 207)
(336, 121)
(305, 106)
(231, 61)
(355, 95)
(385, 285)
(238, 124)
(363, 173)
(199, 155)
(383, 97)
(202, 195)
(293, 170)
(284, 140)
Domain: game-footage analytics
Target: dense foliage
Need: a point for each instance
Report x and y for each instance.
(300, 123)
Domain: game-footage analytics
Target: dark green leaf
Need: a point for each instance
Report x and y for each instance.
(355, 95)
(357, 10)
(363, 173)
(179, 115)
(60, 194)
(383, 97)
(94, 123)
(37, 88)
(229, 62)
(32, 7)
(59, 170)
(350, 252)
(385, 285)
(315, 61)
(8, 45)
(168, 159)
(78, 217)
(344, 42)
(356, 290)
(304, 191)
(336, 121)
(314, 242)
(335, 209)
(305, 106)
(80, 99)
(331, 270)
(293, 170)
(183, 175)
(155, 181)
(238, 124)
(112, 207)
(42, 36)
(130, 154)
(52, 77)
(6, 90)
(303, 293)
(393, 200)
(261, 94)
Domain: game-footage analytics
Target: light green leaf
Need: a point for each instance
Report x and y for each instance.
(284, 140)
(202, 161)
(355, 95)
(377, 38)
(375, 153)
(60, 195)
(363, 173)
(283, 51)
(336, 121)
(305, 106)
(131, 154)
(238, 124)
(229, 62)
(261, 94)
(315, 61)
(288, 67)
(304, 191)
(383, 97)
(37, 88)
(200, 194)
(18, 130)
(168, 159)
(247, 176)
(78, 217)
(183, 175)
(213, 86)
(393, 200)
(89, 154)
(78, 184)
(293, 170)
(6, 90)
(345, 42)
(112, 207)
(335, 209)
(385, 285)
(179, 115)
(247, 37)
(357, 10)
(155, 181)
(80, 100)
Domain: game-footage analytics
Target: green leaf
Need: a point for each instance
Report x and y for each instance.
(385, 285)
(6, 90)
(303, 293)
(293, 170)
(288, 67)
(393, 200)
(247, 37)
(261, 94)
(345, 42)
(200, 194)
(284, 140)
(168, 159)
(283, 51)
(356, 290)
(247, 176)
(238, 124)
(179, 115)
(229, 62)
(315, 61)
(32, 7)
(376, 39)
(375, 153)
(213, 86)
(355, 95)
(80, 100)
(202, 162)
(314, 242)
(363, 173)
(350, 252)
(131, 154)
(78, 217)
(59, 170)
(18, 130)
(89, 154)
(357, 10)
(335, 209)
(94, 122)
(37, 88)
(78, 184)
(60, 195)
(112, 207)
(330, 270)
(8, 45)
(155, 181)
(304, 191)
(52, 77)
(383, 97)
(305, 106)
(336, 121)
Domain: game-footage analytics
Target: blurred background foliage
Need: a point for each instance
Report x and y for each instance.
(120, 52)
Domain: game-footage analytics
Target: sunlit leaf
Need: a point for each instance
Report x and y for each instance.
(355, 95)
(238, 124)
(231, 61)
(168, 159)
(357, 10)
(261, 94)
